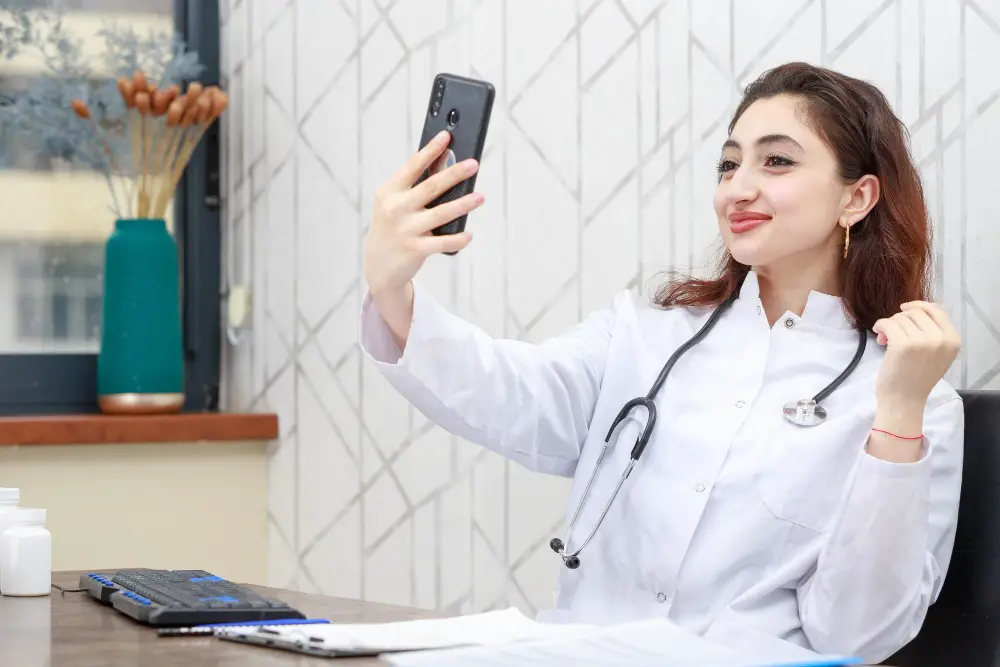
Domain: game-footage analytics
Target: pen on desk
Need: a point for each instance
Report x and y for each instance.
(209, 628)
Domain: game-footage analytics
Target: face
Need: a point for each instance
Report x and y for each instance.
(780, 198)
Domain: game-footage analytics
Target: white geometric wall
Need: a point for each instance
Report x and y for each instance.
(598, 172)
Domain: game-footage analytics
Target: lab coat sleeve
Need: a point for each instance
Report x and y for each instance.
(531, 403)
(885, 558)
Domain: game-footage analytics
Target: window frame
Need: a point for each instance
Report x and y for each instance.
(56, 383)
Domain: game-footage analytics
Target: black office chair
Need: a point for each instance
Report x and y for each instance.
(962, 628)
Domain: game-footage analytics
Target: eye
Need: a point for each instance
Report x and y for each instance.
(774, 161)
(726, 165)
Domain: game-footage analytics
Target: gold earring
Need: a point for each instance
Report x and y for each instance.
(847, 240)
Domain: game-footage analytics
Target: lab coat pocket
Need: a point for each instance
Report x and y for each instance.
(804, 472)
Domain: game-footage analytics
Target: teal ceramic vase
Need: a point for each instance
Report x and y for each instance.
(140, 368)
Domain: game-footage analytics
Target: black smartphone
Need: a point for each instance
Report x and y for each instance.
(462, 106)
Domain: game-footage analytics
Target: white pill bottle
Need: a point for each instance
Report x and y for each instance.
(25, 554)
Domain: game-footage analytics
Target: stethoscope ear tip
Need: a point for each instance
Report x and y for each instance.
(557, 545)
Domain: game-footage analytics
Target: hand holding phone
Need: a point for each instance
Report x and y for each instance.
(422, 209)
(400, 237)
(462, 107)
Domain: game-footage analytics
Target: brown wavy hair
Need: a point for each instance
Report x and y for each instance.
(890, 251)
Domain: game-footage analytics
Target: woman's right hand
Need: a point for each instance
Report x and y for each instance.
(399, 238)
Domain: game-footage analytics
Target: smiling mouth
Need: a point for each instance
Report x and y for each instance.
(740, 223)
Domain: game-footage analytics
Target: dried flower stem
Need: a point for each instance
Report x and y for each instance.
(136, 166)
(184, 153)
(172, 138)
(83, 112)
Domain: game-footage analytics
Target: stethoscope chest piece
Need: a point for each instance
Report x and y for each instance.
(804, 412)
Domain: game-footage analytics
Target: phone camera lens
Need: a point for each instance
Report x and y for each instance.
(438, 97)
(453, 117)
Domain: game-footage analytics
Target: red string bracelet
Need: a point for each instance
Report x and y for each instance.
(899, 437)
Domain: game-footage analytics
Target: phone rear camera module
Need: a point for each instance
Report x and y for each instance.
(453, 118)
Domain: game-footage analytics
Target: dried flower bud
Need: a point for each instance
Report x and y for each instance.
(143, 103)
(127, 90)
(140, 82)
(81, 109)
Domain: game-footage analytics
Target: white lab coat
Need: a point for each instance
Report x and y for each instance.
(734, 524)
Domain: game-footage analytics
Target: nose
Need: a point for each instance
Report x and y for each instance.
(740, 187)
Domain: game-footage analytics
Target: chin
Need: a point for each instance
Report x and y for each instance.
(747, 251)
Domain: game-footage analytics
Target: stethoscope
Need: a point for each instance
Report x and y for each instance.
(803, 412)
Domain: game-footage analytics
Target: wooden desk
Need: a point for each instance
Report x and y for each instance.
(72, 629)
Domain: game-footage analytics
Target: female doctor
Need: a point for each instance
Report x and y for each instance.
(801, 478)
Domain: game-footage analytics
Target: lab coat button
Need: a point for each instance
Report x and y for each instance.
(759, 310)
(789, 323)
(740, 403)
(661, 597)
(699, 487)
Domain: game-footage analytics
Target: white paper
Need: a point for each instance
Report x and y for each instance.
(647, 643)
(489, 628)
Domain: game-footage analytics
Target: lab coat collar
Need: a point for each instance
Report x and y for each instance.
(821, 309)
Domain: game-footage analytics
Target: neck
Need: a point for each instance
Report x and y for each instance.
(785, 287)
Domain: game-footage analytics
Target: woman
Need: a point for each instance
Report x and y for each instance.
(736, 524)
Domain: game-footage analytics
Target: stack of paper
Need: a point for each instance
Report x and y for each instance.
(489, 628)
(507, 638)
(647, 643)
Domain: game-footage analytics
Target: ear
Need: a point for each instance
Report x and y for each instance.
(861, 199)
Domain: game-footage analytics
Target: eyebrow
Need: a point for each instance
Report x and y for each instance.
(767, 139)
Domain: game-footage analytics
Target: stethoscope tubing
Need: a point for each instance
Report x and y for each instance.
(572, 558)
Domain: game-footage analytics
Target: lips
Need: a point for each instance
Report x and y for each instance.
(741, 222)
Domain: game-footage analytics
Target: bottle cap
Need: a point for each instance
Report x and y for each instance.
(27, 515)
(9, 495)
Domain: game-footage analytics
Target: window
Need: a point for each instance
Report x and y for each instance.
(57, 292)
(165, 7)
(56, 218)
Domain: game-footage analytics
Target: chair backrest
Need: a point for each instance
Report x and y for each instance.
(963, 627)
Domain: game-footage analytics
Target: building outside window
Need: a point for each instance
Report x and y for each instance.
(57, 289)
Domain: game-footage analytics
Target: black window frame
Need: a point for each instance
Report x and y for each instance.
(56, 383)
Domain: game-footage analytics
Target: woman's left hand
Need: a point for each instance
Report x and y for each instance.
(921, 344)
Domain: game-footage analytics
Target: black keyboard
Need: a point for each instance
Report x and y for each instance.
(183, 597)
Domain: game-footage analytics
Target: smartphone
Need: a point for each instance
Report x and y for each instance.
(462, 106)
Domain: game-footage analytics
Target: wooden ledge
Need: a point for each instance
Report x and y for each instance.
(120, 429)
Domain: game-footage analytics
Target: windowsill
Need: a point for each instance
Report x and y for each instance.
(121, 429)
